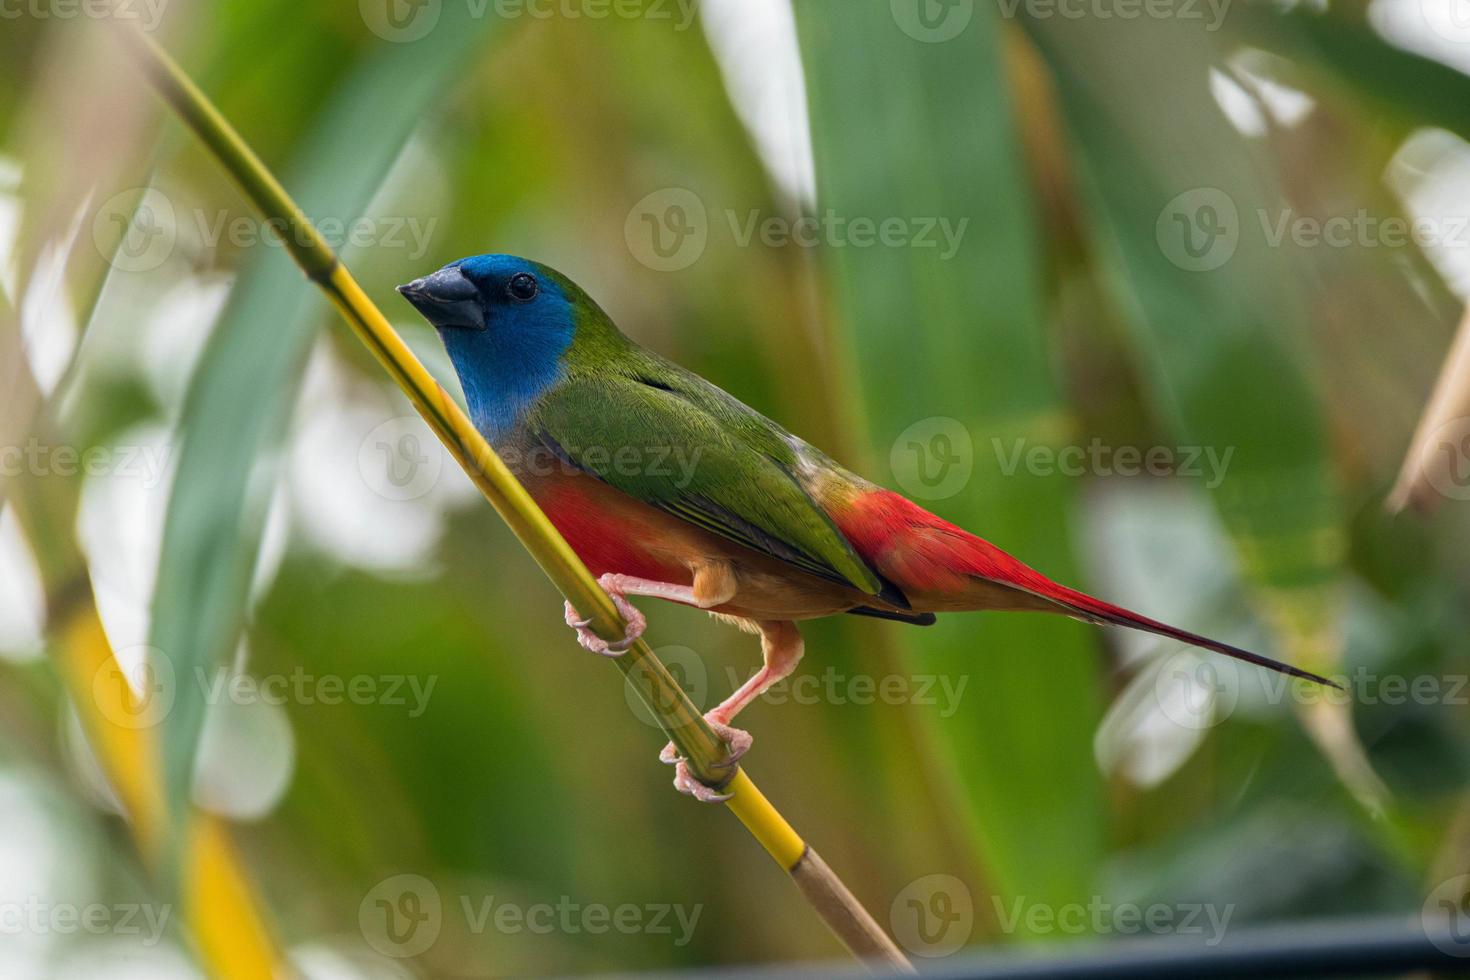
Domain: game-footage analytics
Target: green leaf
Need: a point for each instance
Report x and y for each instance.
(1218, 309)
(953, 370)
(1403, 87)
(1194, 238)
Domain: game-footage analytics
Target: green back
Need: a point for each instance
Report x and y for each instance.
(673, 440)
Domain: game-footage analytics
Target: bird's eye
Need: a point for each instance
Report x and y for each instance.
(522, 287)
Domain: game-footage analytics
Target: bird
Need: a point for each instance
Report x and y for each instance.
(668, 487)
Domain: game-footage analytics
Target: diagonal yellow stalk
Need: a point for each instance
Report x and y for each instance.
(678, 716)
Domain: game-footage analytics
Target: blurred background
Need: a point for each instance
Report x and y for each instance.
(1151, 295)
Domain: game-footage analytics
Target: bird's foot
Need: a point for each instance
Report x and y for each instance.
(591, 641)
(684, 781)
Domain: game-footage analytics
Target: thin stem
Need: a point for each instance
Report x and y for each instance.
(677, 715)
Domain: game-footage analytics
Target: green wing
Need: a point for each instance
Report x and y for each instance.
(678, 443)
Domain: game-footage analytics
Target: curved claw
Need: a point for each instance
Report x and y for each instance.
(574, 619)
(591, 641)
(686, 782)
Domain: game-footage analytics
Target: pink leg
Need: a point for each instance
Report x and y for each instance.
(618, 586)
(782, 648)
(712, 587)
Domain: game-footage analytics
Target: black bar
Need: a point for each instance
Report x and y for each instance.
(1330, 948)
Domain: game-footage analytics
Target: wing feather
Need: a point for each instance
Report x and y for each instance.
(688, 448)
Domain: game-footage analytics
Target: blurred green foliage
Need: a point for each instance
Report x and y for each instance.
(1039, 763)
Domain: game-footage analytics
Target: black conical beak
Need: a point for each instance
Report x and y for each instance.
(446, 299)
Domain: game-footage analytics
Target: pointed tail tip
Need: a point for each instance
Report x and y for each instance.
(1259, 660)
(1307, 675)
(1096, 609)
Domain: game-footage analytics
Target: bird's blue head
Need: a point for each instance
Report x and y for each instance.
(506, 322)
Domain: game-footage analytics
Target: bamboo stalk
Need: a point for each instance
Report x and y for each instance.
(677, 715)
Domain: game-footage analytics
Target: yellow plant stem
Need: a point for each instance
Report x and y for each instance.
(102, 696)
(678, 716)
(221, 911)
(220, 908)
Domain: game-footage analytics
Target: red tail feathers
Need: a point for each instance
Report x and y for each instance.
(937, 565)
